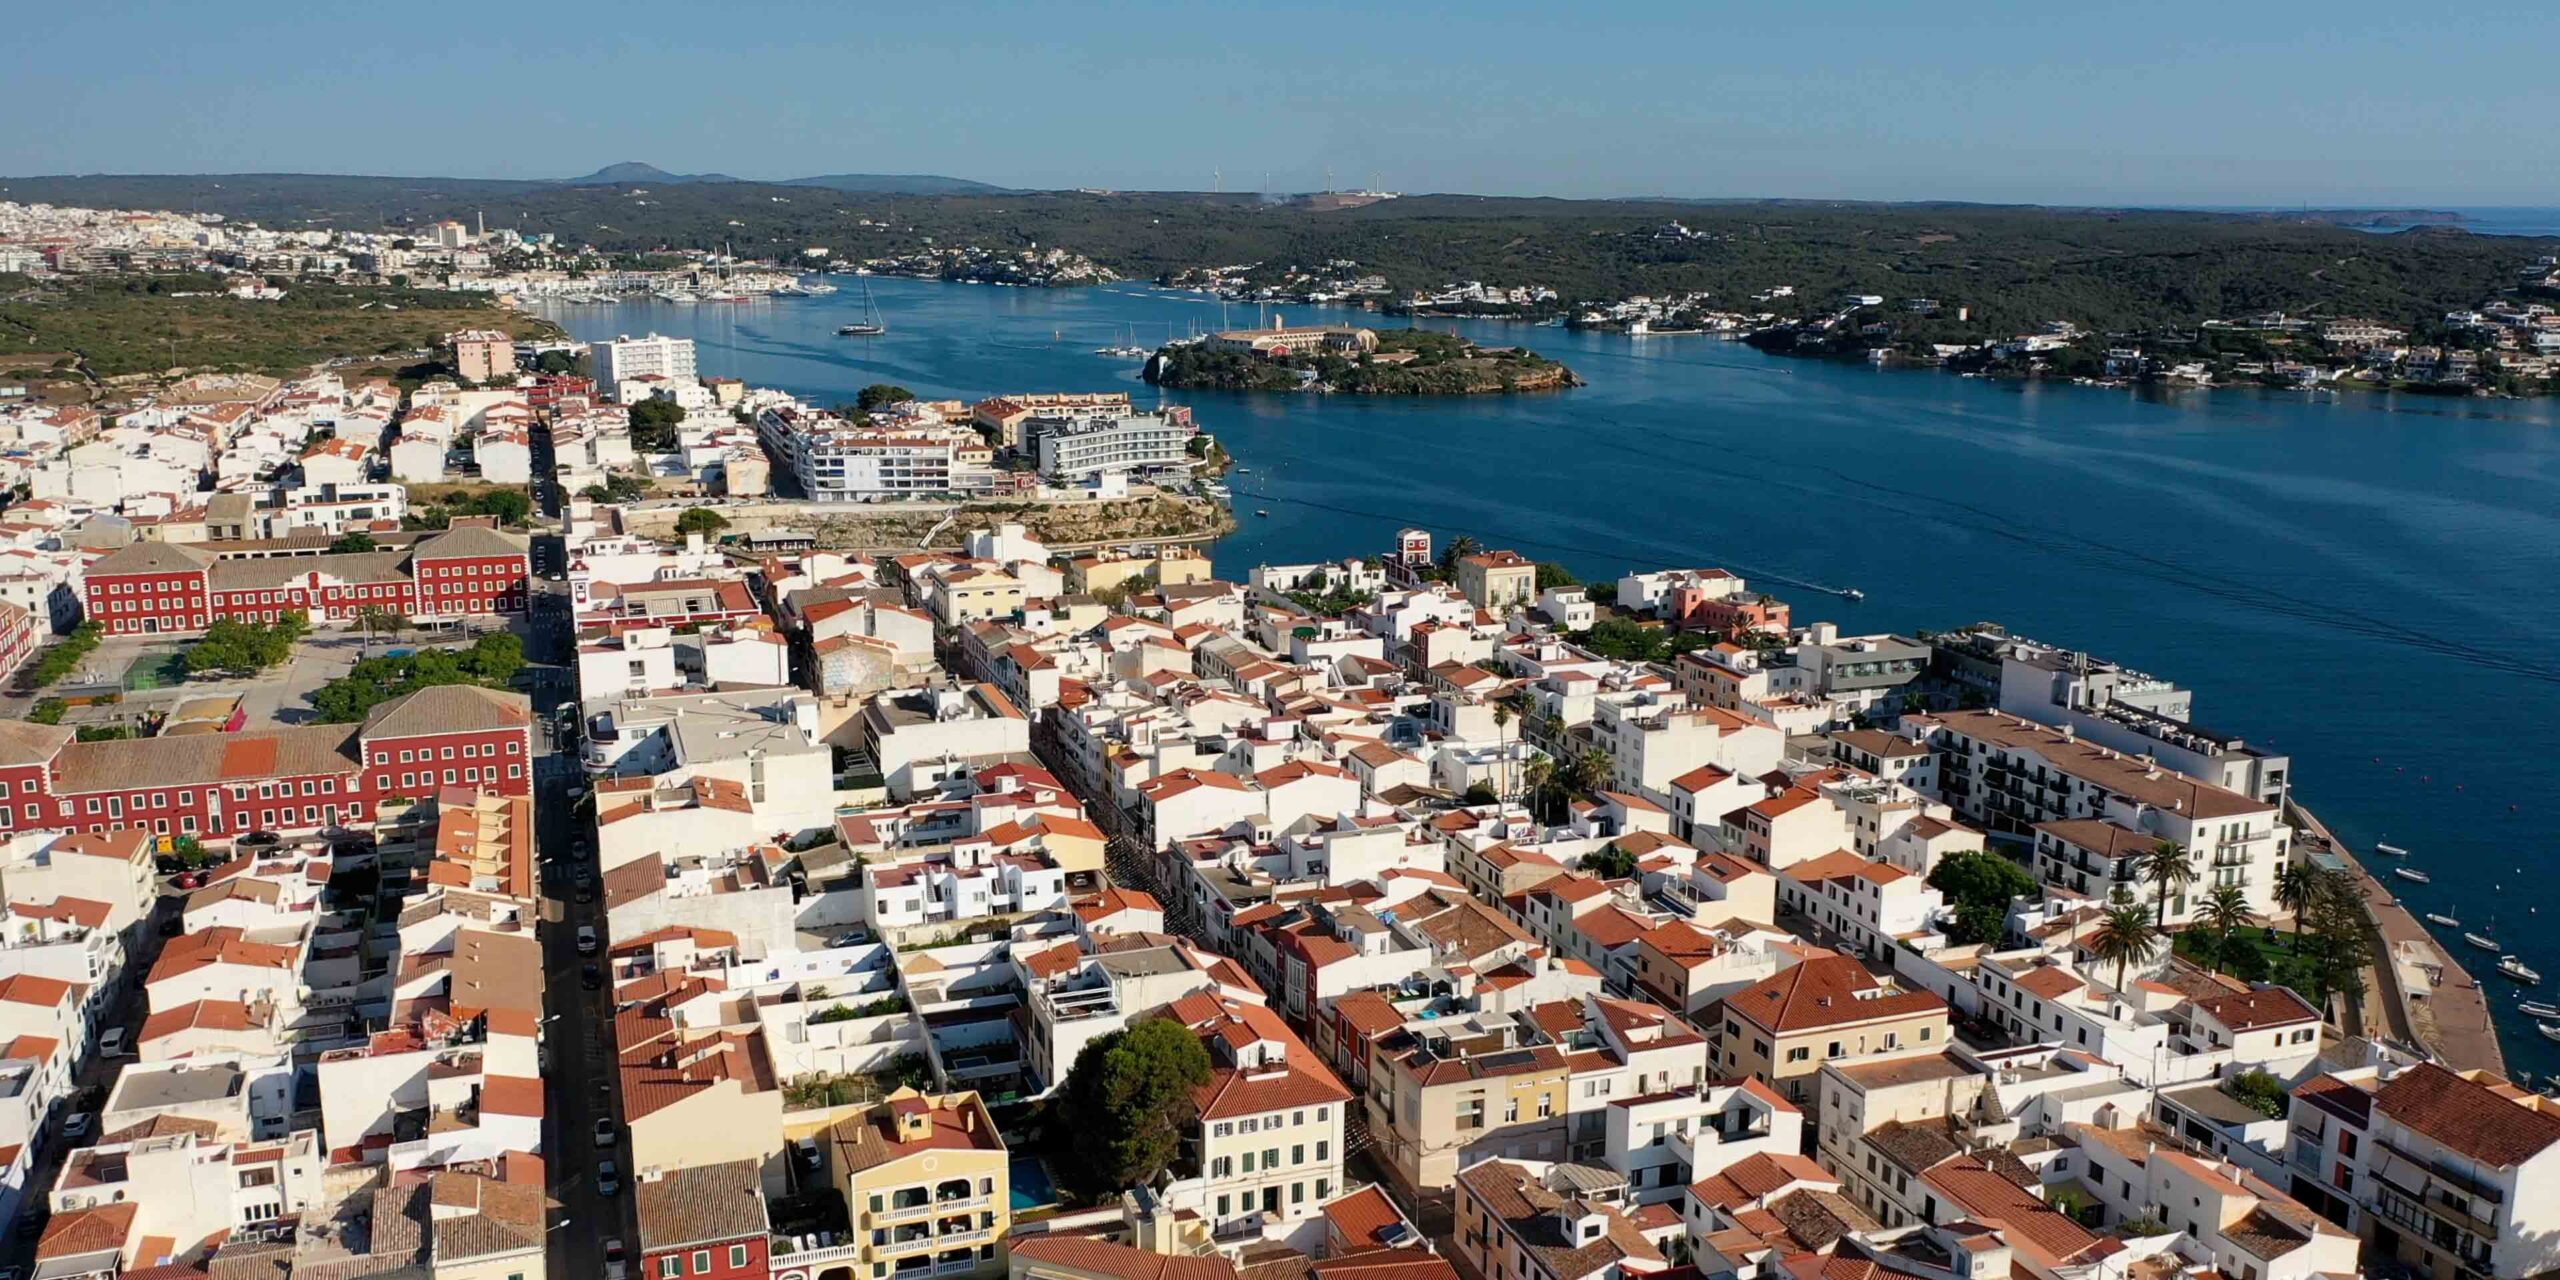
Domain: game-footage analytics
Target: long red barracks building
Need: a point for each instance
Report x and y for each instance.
(159, 588)
(221, 785)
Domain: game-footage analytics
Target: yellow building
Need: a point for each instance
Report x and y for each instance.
(1781, 1029)
(1498, 580)
(1473, 1089)
(925, 1181)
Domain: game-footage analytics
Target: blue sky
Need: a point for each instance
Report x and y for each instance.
(2173, 103)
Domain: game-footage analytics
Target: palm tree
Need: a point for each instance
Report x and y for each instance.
(1459, 548)
(2169, 870)
(2297, 887)
(1541, 781)
(2124, 936)
(1501, 733)
(2225, 909)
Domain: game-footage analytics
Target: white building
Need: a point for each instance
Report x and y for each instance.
(626, 358)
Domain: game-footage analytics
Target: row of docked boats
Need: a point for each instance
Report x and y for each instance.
(2546, 1016)
(2509, 967)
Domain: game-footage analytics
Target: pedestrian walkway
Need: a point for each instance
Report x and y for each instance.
(2449, 1015)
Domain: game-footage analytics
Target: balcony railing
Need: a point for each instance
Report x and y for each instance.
(842, 1251)
(900, 1213)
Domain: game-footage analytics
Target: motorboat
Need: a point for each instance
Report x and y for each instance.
(2390, 851)
(2482, 941)
(2516, 970)
(2438, 917)
(2413, 875)
(2539, 1009)
(2548, 1031)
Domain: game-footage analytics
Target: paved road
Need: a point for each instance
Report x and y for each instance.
(579, 1035)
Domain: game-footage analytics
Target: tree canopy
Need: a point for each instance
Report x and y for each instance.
(653, 425)
(880, 395)
(1979, 886)
(1637, 642)
(1130, 1097)
(241, 648)
(491, 661)
(353, 541)
(701, 520)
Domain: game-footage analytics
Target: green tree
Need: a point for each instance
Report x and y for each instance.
(2225, 911)
(1479, 793)
(880, 395)
(701, 520)
(1979, 885)
(2169, 871)
(2297, 887)
(1551, 574)
(351, 542)
(1611, 863)
(653, 424)
(47, 711)
(1459, 548)
(491, 661)
(1131, 1095)
(2260, 1092)
(510, 506)
(233, 647)
(2123, 937)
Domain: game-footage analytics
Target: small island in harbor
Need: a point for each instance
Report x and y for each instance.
(1353, 360)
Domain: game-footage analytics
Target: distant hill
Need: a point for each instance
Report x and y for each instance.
(633, 172)
(908, 184)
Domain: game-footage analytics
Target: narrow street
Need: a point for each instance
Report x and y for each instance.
(578, 1031)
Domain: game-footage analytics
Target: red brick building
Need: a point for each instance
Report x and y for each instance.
(220, 785)
(706, 1222)
(158, 588)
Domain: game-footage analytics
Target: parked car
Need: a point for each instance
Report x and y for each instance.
(586, 894)
(78, 1125)
(617, 1265)
(604, 1133)
(111, 1043)
(590, 977)
(853, 939)
(189, 880)
(586, 940)
(609, 1178)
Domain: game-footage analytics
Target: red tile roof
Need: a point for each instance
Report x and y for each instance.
(1825, 991)
(2466, 1115)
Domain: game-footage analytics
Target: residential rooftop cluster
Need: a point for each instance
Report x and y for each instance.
(1523, 928)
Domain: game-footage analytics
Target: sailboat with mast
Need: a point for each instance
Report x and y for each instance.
(869, 326)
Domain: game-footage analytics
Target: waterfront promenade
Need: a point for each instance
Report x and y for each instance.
(2427, 998)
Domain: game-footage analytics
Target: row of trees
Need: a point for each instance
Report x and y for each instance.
(491, 661)
(512, 507)
(235, 648)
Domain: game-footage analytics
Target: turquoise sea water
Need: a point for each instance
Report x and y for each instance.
(2366, 582)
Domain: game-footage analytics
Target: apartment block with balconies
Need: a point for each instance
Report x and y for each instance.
(926, 1185)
